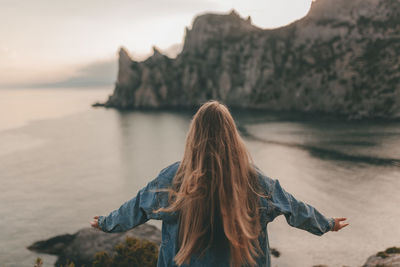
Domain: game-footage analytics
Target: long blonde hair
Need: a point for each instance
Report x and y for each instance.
(215, 190)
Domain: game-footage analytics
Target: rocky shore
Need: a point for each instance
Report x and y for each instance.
(81, 247)
(342, 58)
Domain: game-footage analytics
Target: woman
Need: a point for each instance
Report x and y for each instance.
(215, 204)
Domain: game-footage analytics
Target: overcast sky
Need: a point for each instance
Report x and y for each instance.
(54, 41)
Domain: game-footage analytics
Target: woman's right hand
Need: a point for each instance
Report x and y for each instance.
(95, 222)
(339, 224)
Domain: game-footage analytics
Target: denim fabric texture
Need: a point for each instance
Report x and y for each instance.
(139, 210)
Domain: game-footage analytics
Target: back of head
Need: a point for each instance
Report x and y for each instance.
(215, 188)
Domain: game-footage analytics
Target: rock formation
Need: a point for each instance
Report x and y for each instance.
(343, 58)
(389, 257)
(82, 246)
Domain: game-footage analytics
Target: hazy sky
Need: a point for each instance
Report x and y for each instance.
(45, 41)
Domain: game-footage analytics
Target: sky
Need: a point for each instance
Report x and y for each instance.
(55, 43)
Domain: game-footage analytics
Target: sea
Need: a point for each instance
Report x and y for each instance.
(63, 161)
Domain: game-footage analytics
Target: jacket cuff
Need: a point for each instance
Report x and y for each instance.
(331, 224)
(100, 222)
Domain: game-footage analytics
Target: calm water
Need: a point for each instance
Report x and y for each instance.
(61, 162)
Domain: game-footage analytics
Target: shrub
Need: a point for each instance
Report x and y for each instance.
(39, 263)
(132, 253)
(385, 254)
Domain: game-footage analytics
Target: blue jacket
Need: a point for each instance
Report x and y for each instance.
(139, 209)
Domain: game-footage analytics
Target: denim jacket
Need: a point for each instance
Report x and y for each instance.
(139, 209)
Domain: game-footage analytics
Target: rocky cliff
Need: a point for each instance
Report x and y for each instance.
(343, 58)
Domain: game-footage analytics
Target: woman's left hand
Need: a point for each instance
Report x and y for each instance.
(339, 224)
(95, 222)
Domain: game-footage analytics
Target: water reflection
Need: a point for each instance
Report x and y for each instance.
(367, 143)
(150, 140)
(329, 154)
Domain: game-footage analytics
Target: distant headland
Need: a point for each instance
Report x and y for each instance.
(342, 58)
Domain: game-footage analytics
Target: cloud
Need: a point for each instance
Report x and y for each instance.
(100, 73)
(96, 74)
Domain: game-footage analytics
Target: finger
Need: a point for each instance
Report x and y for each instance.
(341, 219)
(344, 225)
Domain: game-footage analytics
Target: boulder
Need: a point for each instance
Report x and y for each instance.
(82, 246)
(389, 257)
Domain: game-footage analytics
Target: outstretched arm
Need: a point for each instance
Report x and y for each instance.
(139, 209)
(301, 215)
(132, 213)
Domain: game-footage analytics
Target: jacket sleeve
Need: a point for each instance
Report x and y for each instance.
(298, 214)
(139, 209)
